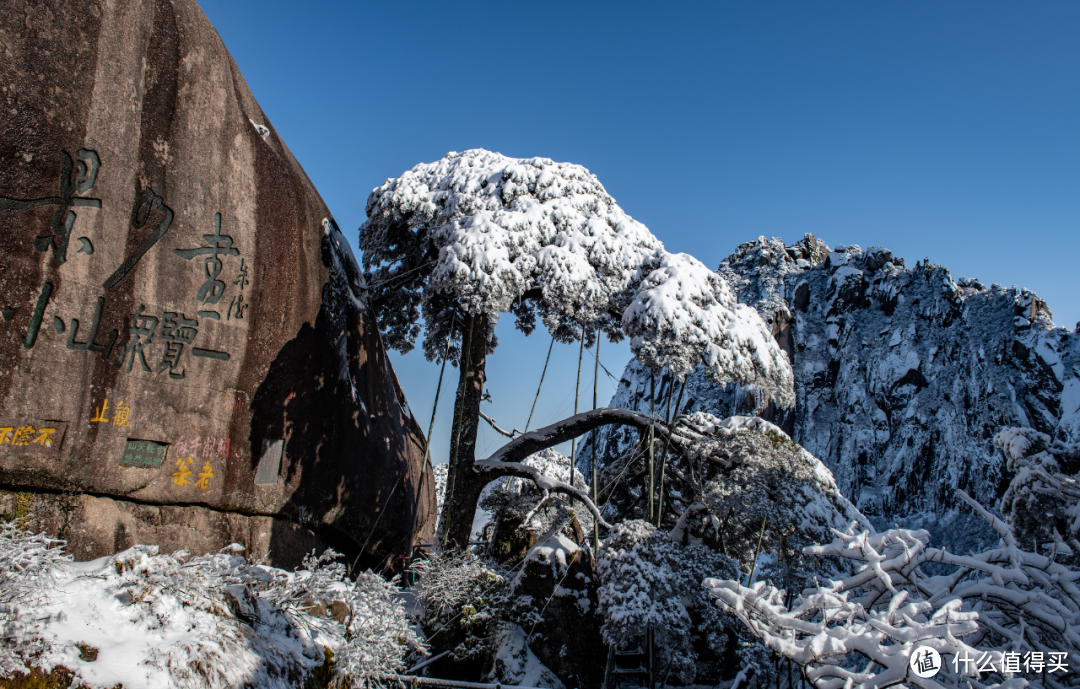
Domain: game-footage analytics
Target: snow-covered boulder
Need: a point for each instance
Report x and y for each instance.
(560, 578)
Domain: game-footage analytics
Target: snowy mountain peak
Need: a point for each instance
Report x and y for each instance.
(902, 375)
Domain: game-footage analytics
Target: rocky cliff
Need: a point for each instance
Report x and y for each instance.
(185, 357)
(902, 376)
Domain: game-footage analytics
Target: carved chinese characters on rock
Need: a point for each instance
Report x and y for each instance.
(237, 305)
(145, 203)
(175, 329)
(31, 436)
(194, 458)
(77, 177)
(218, 245)
(159, 340)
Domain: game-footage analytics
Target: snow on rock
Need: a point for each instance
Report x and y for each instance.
(516, 664)
(557, 552)
(559, 578)
(902, 378)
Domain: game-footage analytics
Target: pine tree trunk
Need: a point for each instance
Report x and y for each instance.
(460, 507)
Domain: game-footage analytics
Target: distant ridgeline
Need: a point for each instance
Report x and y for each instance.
(902, 377)
(184, 356)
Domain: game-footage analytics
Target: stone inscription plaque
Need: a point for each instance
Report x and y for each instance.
(143, 453)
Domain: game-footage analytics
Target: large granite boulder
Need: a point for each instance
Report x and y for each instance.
(185, 354)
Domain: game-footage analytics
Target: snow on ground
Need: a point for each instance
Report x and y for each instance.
(133, 619)
(144, 620)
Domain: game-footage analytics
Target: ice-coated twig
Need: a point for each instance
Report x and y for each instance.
(1001, 600)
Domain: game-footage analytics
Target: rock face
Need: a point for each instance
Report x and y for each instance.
(902, 376)
(560, 577)
(184, 345)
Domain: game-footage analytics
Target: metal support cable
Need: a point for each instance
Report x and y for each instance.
(427, 444)
(595, 491)
(542, 374)
(652, 415)
(663, 455)
(577, 393)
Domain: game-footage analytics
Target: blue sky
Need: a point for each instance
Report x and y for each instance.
(941, 130)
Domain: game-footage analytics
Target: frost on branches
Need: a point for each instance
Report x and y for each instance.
(465, 607)
(379, 635)
(485, 229)
(30, 567)
(772, 491)
(1000, 618)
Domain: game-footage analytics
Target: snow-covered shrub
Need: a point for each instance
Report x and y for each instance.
(374, 638)
(459, 597)
(379, 634)
(178, 621)
(30, 565)
(467, 604)
(773, 482)
(1000, 606)
(648, 581)
(316, 585)
(207, 622)
(448, 581)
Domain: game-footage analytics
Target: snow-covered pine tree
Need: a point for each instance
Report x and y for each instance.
(652, 581)
(460, 241)
(1042, 503)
